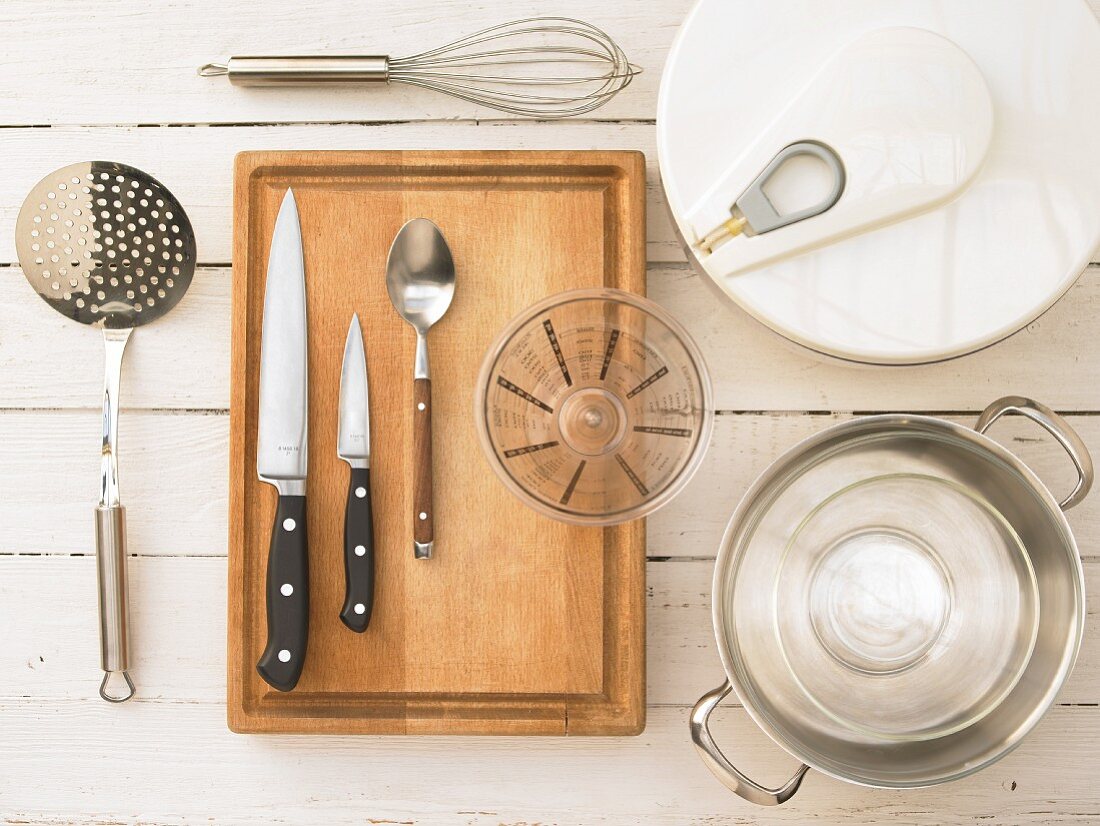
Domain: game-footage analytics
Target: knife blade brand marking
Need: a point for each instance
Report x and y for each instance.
(523, 451)
(523, 394)
(663, 431)
(282, 448)
(556, 347)
(572, 486)
(642, 489)
(660, 374)
(612, 340)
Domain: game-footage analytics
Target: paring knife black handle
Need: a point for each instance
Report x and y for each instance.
(358, 553)
(287, 596)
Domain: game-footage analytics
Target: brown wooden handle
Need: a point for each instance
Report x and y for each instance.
(423, 533)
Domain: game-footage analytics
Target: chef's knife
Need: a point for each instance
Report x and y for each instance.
(353, 446)
(281, 450)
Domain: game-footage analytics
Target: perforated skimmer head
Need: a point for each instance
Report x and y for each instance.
(105, 244)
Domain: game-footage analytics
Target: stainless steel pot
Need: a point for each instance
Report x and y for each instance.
(897, 600)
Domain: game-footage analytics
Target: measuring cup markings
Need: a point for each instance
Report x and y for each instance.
(579, 407)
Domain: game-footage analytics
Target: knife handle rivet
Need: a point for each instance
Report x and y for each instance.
(360, 492)
(423, 516)
(360, 608)
(421, 406)
(360, 550)
(287, 589)
(289, 524)
(284, 656)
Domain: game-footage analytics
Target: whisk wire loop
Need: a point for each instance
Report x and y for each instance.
(588, 69)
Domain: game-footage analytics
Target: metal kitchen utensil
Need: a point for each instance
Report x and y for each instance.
(594, 406)
(420, 278)
(106, 244)
(897, 601)
(353, 446)
(545, 67)
(282, 449)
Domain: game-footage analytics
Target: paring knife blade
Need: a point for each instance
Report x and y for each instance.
(353, 446)
(282, 450)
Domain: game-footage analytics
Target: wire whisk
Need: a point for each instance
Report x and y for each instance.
(540, 67)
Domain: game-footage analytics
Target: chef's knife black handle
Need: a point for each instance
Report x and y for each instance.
(358, 553)
(287, 596)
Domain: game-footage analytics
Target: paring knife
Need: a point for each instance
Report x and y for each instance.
(281, 450)
(353, 446)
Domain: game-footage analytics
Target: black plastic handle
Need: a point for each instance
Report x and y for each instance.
(358, 553)
(287, 596)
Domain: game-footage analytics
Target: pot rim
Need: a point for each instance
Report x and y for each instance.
(726, 555)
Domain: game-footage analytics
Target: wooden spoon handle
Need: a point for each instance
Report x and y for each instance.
(423, 532)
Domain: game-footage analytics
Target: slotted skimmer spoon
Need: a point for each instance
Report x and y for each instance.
(107, 245)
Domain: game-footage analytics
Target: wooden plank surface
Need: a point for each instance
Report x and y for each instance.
(186, 453)
(182, 361)
(179, 607)
(196, 162)
(154, 80)
(91, 70)
(653, 779)
(65, 66)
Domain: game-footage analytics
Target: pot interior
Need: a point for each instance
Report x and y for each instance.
(898, 600)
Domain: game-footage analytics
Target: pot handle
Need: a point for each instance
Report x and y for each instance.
(722, 768)
(1057, 427)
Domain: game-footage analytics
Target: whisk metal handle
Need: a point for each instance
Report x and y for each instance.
(298, 70)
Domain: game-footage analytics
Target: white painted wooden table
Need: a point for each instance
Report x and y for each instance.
(115, 79)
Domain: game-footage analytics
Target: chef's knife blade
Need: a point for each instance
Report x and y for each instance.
(353, 446)
(281, 450)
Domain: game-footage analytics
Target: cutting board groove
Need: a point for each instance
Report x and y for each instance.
(518, 624)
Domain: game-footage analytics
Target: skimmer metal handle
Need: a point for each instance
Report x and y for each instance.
(1057, 427)
(110, 533)
(114, 626)
(723, 769)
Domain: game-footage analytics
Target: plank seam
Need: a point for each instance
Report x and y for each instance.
(260, 124)
(731, 412)
(655, 558)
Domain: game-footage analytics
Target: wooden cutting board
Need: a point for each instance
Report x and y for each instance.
(518, 624)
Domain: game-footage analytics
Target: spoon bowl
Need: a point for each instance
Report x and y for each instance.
(420, 274)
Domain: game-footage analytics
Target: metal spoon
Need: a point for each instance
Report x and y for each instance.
(420, 278)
